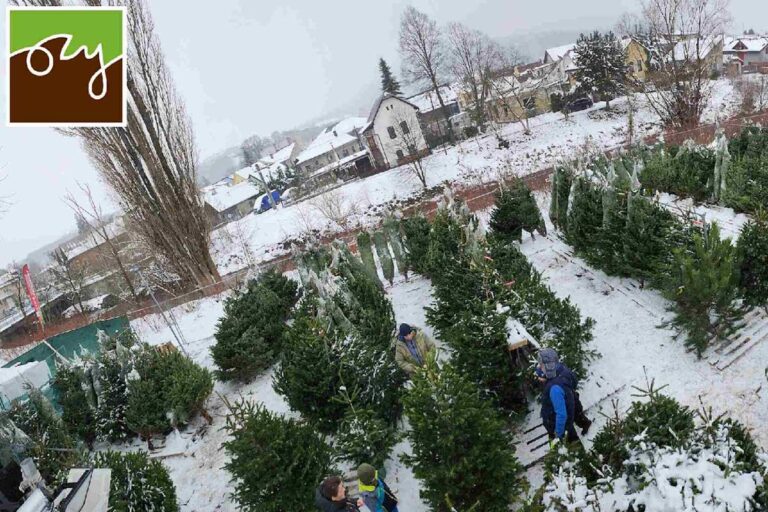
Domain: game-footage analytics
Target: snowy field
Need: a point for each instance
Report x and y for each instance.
(627, 334)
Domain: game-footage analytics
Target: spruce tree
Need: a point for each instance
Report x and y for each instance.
(110, 373)
(248, 337)
(462, 452)
(601, 69)
(394, 237)
(646, 238)
(78, 413)
(382, 250)
(364, 436)
(585, 217)
(516, 210)
(366, 253)
(389, 83)
(752, 255)
(416, 241)
(137, 483)
(276, 463)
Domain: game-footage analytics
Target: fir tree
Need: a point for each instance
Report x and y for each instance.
(382, 250)
(248, 337)
(461, 451)
(646, 238)
(110, 374)
(585, 217)
(416, 238)
(364, 436)
(366, 253)
(78, 413)
(394, 237)
(752, 255)
(704, 286)
(389, 83)
(276, 463)
(52, 447)
(138, 483)
(516, 210)
(601, 69)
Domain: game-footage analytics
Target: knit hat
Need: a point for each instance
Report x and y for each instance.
(549, 360)
(405, 330)
(366, 474)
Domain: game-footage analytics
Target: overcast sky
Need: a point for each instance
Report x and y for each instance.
(247, 67)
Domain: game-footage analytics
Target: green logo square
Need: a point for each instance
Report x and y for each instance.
(66, 66)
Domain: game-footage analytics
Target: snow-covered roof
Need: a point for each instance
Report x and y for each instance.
(427, 101)
(224, 197)
(377, 106)
(334, 137)
(745, 44)
(687, 49)
(283, 154)
(341, 163)
(558, 52)
(244, 173)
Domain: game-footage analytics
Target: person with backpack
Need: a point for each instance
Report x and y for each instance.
(560, 404)
(374, 492)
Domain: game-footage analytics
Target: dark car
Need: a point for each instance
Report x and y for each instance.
(582, 103)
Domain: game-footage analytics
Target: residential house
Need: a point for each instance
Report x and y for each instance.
(751, 51)
(432, 117)
(225, 201)
(393, 132)
(563, 62)
(337, 153)
(270, 165)
(637, 59)
(707, 49)
(520, 96)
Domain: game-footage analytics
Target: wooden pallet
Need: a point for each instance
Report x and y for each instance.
(725, 352)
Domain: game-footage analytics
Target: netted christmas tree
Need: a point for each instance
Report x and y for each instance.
(137, 483)
(704, 285)
(516, 210)
(382, 250)
(366, 253)
(462, 452)
(248, 337)
(752, 255)
(53, 449)
(393, 232)
(276, 463)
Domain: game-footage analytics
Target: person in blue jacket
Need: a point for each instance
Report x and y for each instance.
(374, 492)
(560, 404)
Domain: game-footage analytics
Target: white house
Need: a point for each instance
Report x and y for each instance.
(562, 60)
(336, 143)
(393, 132)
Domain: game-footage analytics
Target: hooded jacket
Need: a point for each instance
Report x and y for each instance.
(325, 505)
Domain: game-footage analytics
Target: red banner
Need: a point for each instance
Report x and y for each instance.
(31, 293)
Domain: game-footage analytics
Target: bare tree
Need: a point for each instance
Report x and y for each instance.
(151, 164)
(92, 215)
(69, 275)
(19, 292)
(423, 54)
(473, 57)
(411, 145)
(680, 35)
(251, 148)
(335, 207)
(761, 93)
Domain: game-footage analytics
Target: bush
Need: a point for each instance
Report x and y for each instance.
(78, 413)
(52, 447)
(248, 337)
(515, 211)
(461, 451)
(168, 390)
(276, 463)
(470, 131)
(752, 255)
(138, 483)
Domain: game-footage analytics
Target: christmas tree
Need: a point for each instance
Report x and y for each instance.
(462, 452)
(109, 376)
(752, 255)
(416, 241)
(276, 463)
(364, 436)
(382, 250)
(703, 285)
(389, 83)
(601, 68)
(366, 253)
(585, 217)
(515, 211)
(248, 337)
(73, 388)
(646, 238)
(137, 482)
(394, 237)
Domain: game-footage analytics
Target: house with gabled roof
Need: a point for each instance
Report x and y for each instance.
(751, 51)
(393, 132)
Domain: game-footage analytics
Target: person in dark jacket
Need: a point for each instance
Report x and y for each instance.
(331, 496)
(375, 493)
(560, 404)
(412, 348)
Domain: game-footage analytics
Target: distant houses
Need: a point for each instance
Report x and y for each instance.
(225, 201)
(432, 116)
(751, 52)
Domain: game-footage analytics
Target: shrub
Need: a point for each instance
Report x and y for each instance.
(248, 337)
(515, 211)
(461, 451)
(276, 463)
(138, 483)
(752, 255)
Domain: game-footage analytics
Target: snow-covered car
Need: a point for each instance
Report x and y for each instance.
(289, 195)
(263, 203)
(578, 104)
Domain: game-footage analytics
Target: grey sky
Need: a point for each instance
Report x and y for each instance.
(247, 67)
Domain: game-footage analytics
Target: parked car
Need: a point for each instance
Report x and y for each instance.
(582, 103)
(289, 195)
(263, 203)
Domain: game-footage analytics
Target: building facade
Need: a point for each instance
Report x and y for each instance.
(393, 132)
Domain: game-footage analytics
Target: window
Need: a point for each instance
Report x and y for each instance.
(399, 154)
(346, 152)
(392, 133)
(404, 127)
(639, 65)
